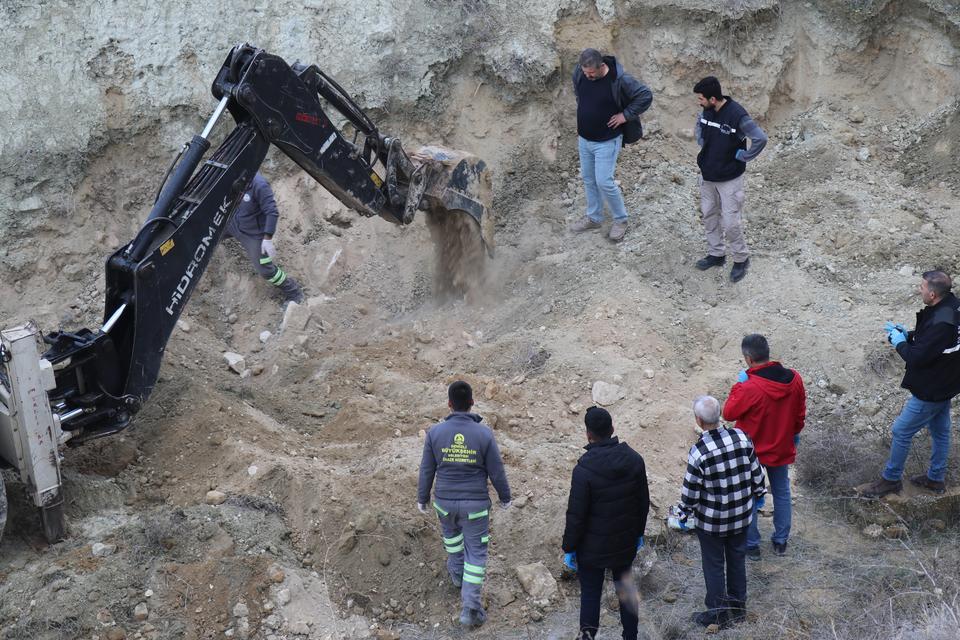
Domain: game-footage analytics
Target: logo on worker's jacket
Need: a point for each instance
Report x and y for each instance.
(246, 197)
(458, 451)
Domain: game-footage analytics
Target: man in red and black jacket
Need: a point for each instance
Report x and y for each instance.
(769, 404)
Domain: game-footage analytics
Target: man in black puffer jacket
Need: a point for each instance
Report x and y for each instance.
(606, 516)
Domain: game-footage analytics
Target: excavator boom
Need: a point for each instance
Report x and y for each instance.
(97, 380)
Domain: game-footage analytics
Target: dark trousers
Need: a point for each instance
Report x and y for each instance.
(265, 265)
(724, 571)
(591, 592)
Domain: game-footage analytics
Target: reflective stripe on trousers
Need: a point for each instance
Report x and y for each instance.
(466, 534)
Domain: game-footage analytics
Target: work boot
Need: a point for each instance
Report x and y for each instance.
(586, 634)
(456, 580)
(707, 618)
(584, 224)
(753, 553)
(472, 617)
(736, 613)
(739, 270)
(925, 482)
(780, 548)
(617, 230)
(292, 291)
(710, 261)
(882, 487)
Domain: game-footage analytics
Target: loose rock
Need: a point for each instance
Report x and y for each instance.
(605, 393)
(215, 497)
(536, 580)
(235, 361)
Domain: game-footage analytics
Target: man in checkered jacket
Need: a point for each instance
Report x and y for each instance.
(722, 482)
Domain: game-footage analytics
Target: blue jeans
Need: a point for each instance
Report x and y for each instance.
(597, 163)
(916, 415)
(591, 591)
(724, 570)
(780, 488)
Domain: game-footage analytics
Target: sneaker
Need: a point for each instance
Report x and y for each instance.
(925, 482)
(753, 553)
(584, 224)
(710, 261)
(617, 231)
(780, 548)
(472, 617)
(739, 270)
(882, 487)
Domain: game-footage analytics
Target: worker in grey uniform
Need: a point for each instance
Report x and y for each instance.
(253, 224)
(461, 453)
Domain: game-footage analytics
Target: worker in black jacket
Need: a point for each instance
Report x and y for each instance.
(606, 517)
(932, 356)
(253, 224)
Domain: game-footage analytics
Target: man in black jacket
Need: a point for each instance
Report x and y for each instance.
(722, 131)
(253, 224)
(606, 516)
(607, 99)
(932, 356)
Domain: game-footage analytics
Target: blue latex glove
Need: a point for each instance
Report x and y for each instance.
(742, 376)
(890, 326)
(796, 440)
(758, 504)
(739, 155)
(570, 560)
(896, 337)
(639, 543)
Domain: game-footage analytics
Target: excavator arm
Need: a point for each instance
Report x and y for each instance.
(101, 378)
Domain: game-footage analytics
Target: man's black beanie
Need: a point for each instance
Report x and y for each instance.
(598, 421)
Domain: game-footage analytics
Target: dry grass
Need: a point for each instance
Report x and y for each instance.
(829, 586)
(832, 461)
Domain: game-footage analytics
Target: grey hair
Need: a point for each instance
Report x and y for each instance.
(707, 408)
(590, 59)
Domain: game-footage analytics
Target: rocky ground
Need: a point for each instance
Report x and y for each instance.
(275, 498)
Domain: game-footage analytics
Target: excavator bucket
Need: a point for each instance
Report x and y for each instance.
(457, 182)
(457, 197)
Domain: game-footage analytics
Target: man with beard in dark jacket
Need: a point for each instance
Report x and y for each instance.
(722, 131)
(606, 516)
(932, 356)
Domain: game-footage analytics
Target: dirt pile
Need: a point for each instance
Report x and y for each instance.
(315, 442)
